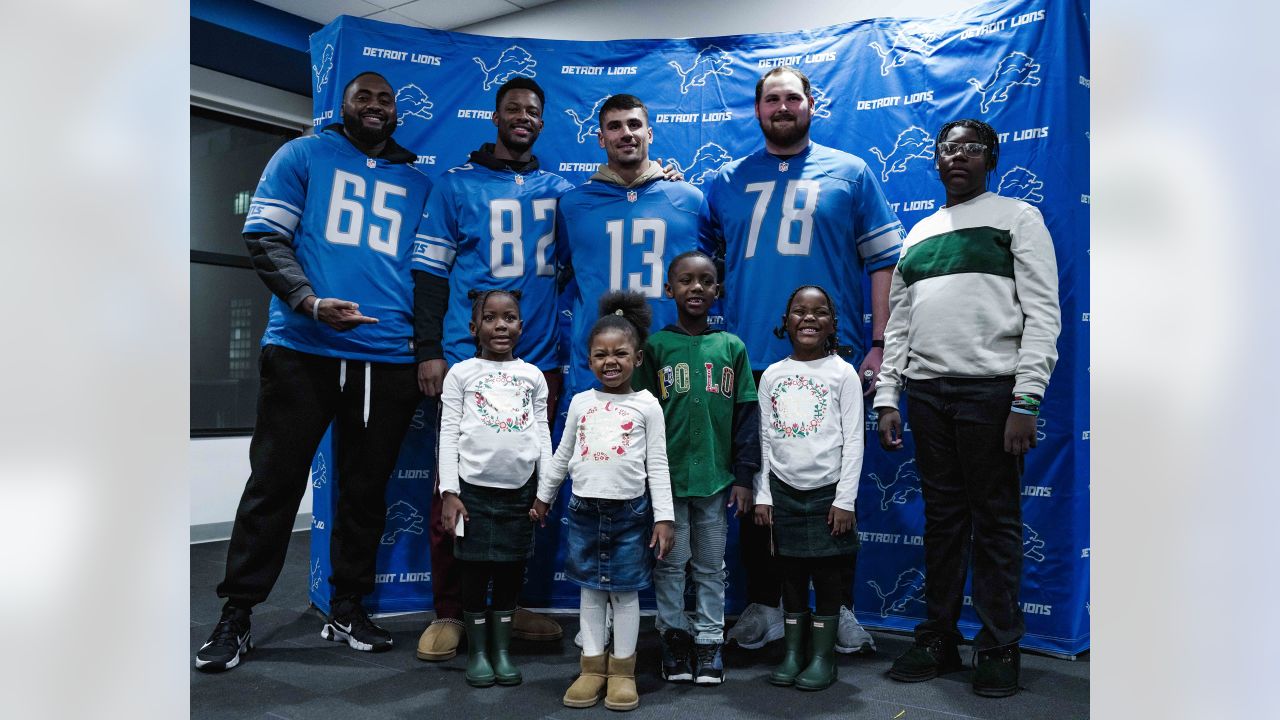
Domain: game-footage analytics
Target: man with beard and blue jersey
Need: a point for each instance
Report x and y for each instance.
(330, 231)
(489, 224)
(797, 213)
(619, 230)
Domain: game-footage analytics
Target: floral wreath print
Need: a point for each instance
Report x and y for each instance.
(800, 398)
(606, 435)
(512, 416)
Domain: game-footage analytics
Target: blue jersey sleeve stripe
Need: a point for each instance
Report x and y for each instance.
(278, 203)
(262, 224)
(274, 215)
(889, 261)
(886, 254)
(437, 240)
(432, 253)
(888, 242)
(878, 239)
(872, 233)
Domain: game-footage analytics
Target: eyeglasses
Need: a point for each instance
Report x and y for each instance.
(973, 150)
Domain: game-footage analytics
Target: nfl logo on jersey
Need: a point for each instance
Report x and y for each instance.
(632, 195)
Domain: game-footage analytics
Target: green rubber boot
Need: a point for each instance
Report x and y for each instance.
(794, 627)
(499, 643)
(479, 671)
(821, 671)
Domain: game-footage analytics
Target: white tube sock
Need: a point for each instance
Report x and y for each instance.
(591, 618)
(626, 623)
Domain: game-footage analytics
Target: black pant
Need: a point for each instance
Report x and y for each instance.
(507, 578)
(972, 504)
(829, 586)
(299, 396)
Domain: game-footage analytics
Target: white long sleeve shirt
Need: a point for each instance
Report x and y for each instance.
(493, 424)
(614, 446)
(811, 427)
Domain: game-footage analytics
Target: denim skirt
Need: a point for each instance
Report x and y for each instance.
(609, 543)
(498, 528)
(800, 522)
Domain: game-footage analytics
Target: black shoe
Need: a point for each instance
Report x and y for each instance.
(996, 671)
(350, 623)
(710, 668)
(929, 657)
(230, 639)
(677, 656)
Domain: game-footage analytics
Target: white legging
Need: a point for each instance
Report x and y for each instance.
(626, 621)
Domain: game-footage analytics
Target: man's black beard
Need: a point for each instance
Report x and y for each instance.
(785, 138)
(367, 136)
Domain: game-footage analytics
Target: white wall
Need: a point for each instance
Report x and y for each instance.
(218, 467)
(616, 19)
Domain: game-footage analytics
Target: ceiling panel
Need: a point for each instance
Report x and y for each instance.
(393, 16)
(448, 15)
(323, 11)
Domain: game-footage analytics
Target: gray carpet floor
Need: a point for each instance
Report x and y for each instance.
(293, 673)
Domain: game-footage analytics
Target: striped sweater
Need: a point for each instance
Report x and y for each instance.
(974, 295)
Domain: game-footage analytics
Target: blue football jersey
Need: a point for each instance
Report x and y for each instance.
(351, 220)
(818, 218)
(486, 229)
(621, 238)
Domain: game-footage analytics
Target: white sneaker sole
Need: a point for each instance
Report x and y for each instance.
(331, 632)
(214, 666)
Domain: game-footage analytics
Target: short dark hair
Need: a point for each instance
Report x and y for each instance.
(520, 83)
(353, 80)
(804, 80)
(986, 135)
(671, 266)
(621, 101)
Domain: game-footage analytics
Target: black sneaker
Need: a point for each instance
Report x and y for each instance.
(996, 671)
(230, 639)
(350, 623)
(677, 656)
(710, 668)
(929, 657)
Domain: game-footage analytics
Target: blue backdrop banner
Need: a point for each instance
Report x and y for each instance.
(882, 88)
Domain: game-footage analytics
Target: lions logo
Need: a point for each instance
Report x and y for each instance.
(711, 60)
(897, 491)
(908, 588)
(1013, 69)
(588, 122)
(820, 102)
(412, 101)
(1022, 184)
(513, 61)
(1032, 544)
(910, 38)
(319, 472)
(706, 162)
(401, 518)
(320, 73)
(913, 142)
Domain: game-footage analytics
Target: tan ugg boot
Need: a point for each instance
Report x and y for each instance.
(622, 693)
(440, 640)
(529, 625)
(586, 690)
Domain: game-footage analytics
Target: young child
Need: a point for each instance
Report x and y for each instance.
(972, 340)
(615, 446)
(703, 381)
(493, 439)
(811, 456)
